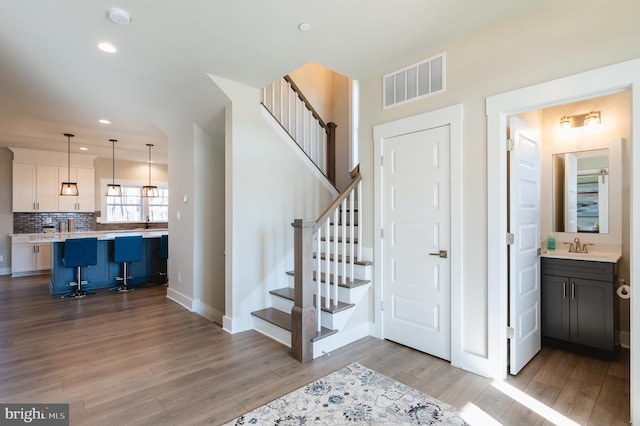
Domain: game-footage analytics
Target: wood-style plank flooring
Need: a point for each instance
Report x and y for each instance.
(141, 359)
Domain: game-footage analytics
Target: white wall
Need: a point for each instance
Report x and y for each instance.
(209, 210)
(541, 46)
(269, 184)
(6, 211)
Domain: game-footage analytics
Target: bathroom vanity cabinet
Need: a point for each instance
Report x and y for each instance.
(578, 302)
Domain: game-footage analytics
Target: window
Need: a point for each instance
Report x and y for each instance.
(132, 207)
(158, 208)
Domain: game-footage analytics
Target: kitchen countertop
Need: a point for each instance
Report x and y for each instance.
(100, 235)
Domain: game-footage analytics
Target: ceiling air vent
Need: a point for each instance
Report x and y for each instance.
(415, 81)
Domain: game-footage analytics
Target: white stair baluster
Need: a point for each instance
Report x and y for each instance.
(327, 260)
(336, 265)
(351, 237)
(359, 195)
(343, 209)
(318, 274)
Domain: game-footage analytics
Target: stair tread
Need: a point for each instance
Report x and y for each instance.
(283, 320)
(289, 294)
(348, 284)
(341, 258)
(275, 317)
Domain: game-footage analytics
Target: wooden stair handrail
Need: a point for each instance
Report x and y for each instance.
(275, 107)
(304, 99)
(336, 203)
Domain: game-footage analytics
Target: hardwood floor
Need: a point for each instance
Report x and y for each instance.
(141, 359)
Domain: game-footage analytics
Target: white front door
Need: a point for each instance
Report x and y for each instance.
(416, 241)
(524, 270)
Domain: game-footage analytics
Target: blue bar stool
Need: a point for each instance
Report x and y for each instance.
(78, 253)
(126, 250)
(163, 254)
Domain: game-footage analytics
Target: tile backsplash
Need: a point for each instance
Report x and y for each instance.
(30, 223)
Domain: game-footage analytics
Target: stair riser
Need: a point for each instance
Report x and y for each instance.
(272, 331)
(334, 321)
(347, 230)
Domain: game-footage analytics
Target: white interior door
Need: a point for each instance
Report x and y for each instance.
(524, 270)
(416, 226)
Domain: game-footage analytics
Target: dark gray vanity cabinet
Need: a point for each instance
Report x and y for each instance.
(578, 301)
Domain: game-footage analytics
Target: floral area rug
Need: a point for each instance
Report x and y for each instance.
(353, 395)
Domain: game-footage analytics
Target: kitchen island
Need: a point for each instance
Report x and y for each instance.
(103, 275)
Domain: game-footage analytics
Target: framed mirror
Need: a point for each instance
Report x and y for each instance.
(581, 191)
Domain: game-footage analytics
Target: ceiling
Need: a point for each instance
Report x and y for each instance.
(54, 79)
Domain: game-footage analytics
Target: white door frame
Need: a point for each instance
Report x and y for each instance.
(451, 116)
(590, 84)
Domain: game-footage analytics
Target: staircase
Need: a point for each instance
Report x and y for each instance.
(331, 280)
(323, 303)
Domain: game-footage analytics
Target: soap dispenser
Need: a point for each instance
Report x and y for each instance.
(551, 243)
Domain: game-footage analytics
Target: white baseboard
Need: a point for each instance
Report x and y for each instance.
(180, 299)
(207, 311)
(625, 339)
(233, 327)
(5, 271)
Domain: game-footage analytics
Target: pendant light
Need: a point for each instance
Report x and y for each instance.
(113, 190)
(150, 191)
(69, 188)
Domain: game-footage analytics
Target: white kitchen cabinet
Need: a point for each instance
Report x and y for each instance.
(85, 202)
(29, 257)
(35, 187)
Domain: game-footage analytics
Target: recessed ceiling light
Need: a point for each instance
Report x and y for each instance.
(82, 148)
(304, 27)
(104, 121)
(119, 16)
(107, 47)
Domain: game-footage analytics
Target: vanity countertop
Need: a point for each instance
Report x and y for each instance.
(594, 256)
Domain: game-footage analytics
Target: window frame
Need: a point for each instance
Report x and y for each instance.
(144, 202)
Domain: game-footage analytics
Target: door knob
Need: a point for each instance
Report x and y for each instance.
(440, 253)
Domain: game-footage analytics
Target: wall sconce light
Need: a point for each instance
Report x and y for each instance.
(566, 122)
(150, 191)
(113, 189)
(580, 120)
(592, 118)
(69, 188)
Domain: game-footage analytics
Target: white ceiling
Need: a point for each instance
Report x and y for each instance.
(53, 79)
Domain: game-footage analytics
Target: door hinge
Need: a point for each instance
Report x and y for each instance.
(510, 332)
(381, 160)
(381, 233)
(510, 144)
(510, 238)
(382, 305)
